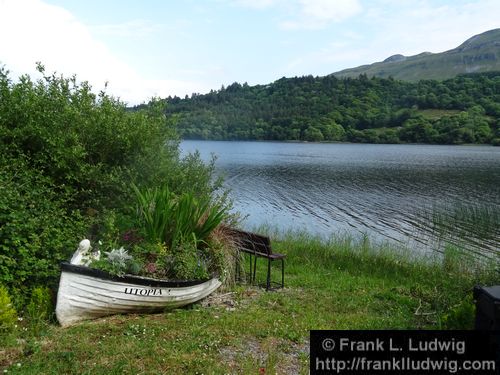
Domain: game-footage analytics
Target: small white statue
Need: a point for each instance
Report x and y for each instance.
(83, 256)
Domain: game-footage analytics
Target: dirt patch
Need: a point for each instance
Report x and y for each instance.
(268, 355)
(9, 356)
(232, 300)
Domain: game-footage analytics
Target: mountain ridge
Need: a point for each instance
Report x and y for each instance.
(480, 53)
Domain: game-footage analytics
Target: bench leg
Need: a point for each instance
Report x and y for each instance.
(250, 274)
(282, 273)
(268, 284)
(237, 274)
(254, 269)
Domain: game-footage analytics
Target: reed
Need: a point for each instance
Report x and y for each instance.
(475, 228)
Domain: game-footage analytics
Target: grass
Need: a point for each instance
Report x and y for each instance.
(343, 283)
(436, 114)
(483, 219)
(456, 223)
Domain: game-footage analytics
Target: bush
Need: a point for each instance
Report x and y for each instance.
(40, 306)
(40, 310)
(37, 229)
(189, 262)
(171, 237)
(89, 146)
(460, 316)
(67, 161)
(8, 315)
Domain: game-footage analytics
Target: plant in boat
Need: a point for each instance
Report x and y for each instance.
(171, 239)
(182, 225)
(118, 262)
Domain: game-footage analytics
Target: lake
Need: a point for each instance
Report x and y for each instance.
(419, 196)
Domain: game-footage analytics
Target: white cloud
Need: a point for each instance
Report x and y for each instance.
(330, 10)
(134, 29)
(256, 4)
(31, 31)
(421, 26)
(306, 14)
(388, 27)
(317, 14)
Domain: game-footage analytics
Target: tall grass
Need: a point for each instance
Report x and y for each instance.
(463, 225)
(436, 289)
(483, 219)
(384, 259)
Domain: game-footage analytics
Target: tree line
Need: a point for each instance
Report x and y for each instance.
(465, 109)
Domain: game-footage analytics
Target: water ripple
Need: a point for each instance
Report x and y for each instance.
(389, 192)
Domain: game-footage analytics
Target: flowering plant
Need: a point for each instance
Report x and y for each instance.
(170, 239)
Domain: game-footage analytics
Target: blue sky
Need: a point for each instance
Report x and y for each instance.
(146, 48)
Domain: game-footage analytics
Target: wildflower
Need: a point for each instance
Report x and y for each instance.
(150, 267)
(131, 236)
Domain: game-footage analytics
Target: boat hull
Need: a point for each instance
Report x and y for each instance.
(86, 293)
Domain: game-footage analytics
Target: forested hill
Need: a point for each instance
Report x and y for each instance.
(465, 109)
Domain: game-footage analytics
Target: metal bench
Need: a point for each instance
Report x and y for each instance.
(259, 246)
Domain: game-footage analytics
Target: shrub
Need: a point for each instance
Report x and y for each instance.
(40, 309)
(225, 259)
(40, 306)
(37, 229)
(171, 238)
(67, 159)
(8, 315)
(188, 262)
(460, 316)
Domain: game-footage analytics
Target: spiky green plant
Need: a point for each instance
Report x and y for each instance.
(170, 219)
(154, 211)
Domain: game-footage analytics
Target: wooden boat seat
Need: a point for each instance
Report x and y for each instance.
(259, 246)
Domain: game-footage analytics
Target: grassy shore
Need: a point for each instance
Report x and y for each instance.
(338, 284)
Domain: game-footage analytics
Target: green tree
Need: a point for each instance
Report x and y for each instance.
(286, 108)
(418, 130)
(313, 134)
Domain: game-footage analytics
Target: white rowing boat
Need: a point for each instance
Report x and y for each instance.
(87, 293)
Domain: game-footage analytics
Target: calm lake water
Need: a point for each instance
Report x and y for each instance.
(420, 196)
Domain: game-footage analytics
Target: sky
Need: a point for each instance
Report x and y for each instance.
(141, 49)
